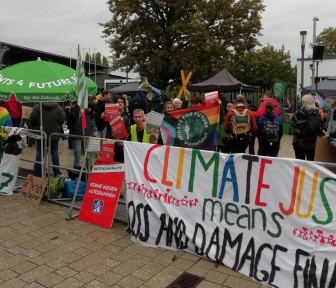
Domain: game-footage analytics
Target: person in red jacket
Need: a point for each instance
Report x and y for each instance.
(267, 97)
(15, 110)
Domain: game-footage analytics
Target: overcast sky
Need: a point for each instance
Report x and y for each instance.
(58, 26)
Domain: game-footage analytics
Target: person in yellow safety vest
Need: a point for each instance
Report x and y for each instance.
(137, 132)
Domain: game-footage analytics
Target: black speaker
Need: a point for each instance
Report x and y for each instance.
(318, 52)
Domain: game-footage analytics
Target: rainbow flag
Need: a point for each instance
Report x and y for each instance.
(320, 99)
(191, 128)
(5, 120)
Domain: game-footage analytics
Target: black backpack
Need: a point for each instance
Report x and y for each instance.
(312, 126)
(270, 131)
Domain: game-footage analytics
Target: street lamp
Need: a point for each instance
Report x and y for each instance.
(303, 35)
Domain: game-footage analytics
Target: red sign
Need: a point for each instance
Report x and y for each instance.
(102, 194)
(111, 111)
(107, 152)
(211, 98)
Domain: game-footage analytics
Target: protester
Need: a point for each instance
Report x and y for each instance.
(251, 147)
(14, 108)
(331, 131)
(269, 132)
(223, 147)
(288, 108)
(53, 117)
(118, 146)
(242, 123)
(75, 128)
(307, 126)
(100, 109)
(92, 115)
(169, 107)
(5, 120)
(137, 132)
(177, 103)
(139, 101)
(267, 97)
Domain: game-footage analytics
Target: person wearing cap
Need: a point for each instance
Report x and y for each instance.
(239, 138)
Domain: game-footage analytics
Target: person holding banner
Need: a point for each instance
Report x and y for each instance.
(100, 109)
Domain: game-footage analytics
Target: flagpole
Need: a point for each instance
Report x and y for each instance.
(70, 58)
(89, 64)
(95, 68)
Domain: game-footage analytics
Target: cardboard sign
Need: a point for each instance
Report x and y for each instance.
(26, 111)
(102, 194)
(324, 152)
(33, 189)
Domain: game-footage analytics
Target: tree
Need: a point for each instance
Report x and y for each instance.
(261, 67)
(327, 38)
(158, 38)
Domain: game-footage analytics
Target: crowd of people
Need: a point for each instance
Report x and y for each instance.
(241, 123)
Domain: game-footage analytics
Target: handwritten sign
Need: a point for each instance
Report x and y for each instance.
(33, 189)
(270, 219)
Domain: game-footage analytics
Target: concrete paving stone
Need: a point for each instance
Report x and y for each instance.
(5, 254)
(113, 248)
(130, 265)
(13, 283)
(121, 256)
(28, 228)
(36, 273)
(205, 263)
(70, 283)
(111, 262)
(110, 277)
(34, 285)
(96, 284)
(98, 269)
(208, 284)
(148, 271)
(182, 263)
(223, 269)
(7, 243)
(151, 252)
(69, 257)
(7, 274)
(12, 261)
(130, 282)
(23, 267)
(190, 257)
(97, 234)
(31, 253)
(94, 246)
(56, 263)
(124, 242)
(233, 282)
(66, 272)
(68, 237)
(164, 277)
(90, 260)
(7, 233)
(50, 280)
(197, 270)
(87, 239)
(109, 238)
(39, 260)
(82, 251)
(45, 247)
(135, 249)
(85, 277)
(216, 277)
(165, 258)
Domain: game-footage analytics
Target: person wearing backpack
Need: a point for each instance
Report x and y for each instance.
(269, 132)
(307, 126)
(238, 125)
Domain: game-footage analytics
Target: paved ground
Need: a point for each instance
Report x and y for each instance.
(39, 248)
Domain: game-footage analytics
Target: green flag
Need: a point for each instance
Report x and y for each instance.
(80, 83)
(279, 88)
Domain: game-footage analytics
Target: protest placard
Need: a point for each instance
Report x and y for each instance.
(33, 189)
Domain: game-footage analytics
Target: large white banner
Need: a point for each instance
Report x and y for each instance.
(270, 219)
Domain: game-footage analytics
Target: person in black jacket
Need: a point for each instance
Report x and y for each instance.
(307, 125)
(75, 128)
(53, 117)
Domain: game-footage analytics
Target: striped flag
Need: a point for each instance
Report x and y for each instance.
(80, 88)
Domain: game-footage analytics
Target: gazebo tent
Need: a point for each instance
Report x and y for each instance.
(326, 87)
(129, 88)
(222, 81)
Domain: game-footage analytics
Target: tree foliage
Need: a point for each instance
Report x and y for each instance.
(96, 58)
(158, 38)
(261, 67)
(327, 38)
